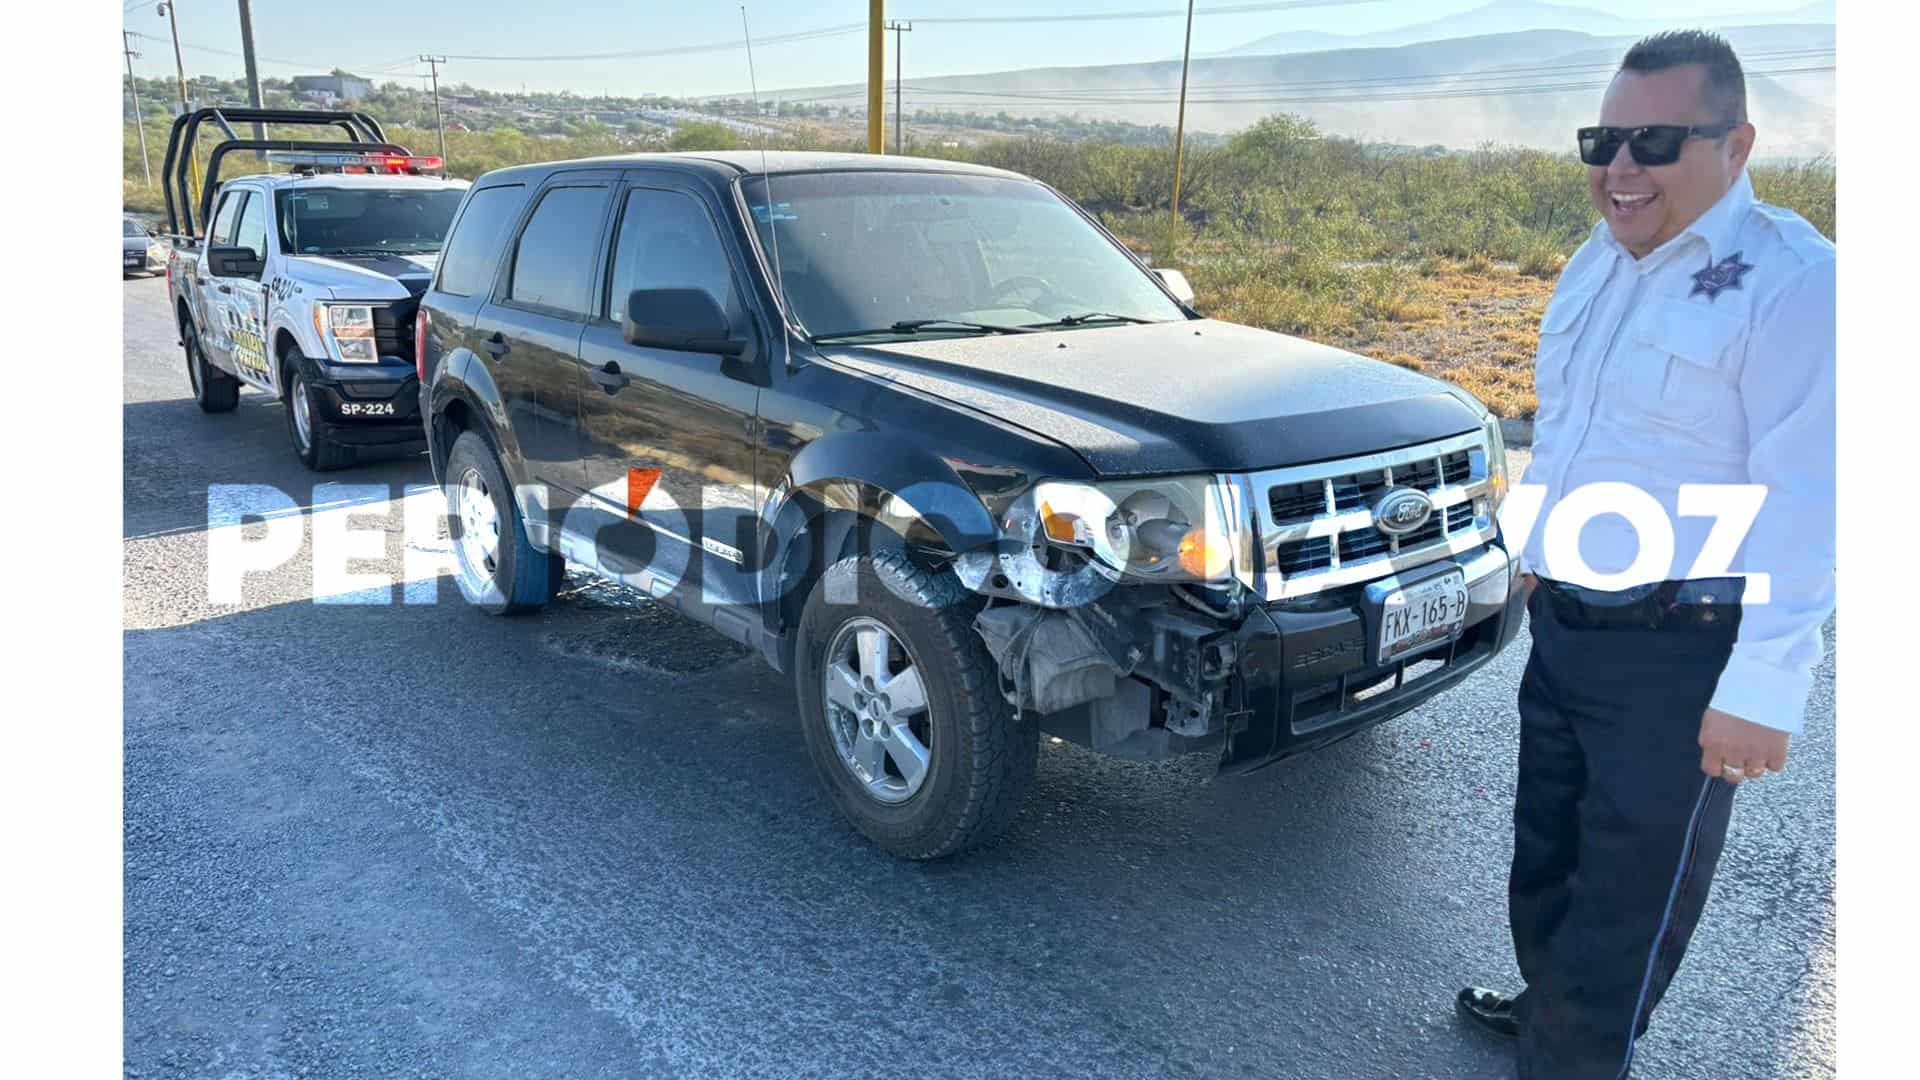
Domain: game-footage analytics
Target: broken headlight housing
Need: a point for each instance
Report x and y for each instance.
(1178, 529)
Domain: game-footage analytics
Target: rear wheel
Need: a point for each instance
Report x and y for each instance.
(901, 709)
(501, 572)
(310, 442)
(214, 390)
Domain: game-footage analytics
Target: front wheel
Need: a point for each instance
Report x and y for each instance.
(901, 708)
(310, 442)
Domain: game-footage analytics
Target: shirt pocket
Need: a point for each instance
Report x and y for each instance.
(1683, 364)
(1560, 330)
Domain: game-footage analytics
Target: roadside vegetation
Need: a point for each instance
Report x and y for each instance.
(1438, 261)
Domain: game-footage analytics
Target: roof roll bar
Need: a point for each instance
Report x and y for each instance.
(363, 133)
(228, 147)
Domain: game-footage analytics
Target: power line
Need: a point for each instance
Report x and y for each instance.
(1118, 16)
(1478, 75)
(1352, 98)
(680, 50)
(241, 56)
(1481, 79)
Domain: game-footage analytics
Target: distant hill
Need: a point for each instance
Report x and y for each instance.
(1509, 16)
(1525, 88)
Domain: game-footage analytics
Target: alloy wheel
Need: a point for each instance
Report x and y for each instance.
(876, 710)
(479, 541)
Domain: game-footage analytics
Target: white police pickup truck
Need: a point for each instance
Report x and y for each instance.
(305, 283)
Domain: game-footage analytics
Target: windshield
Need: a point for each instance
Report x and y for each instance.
(365, 221)
(130, 227)
(891, 255)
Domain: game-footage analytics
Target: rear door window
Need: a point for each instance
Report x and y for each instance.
(473, 249)
(554, 261)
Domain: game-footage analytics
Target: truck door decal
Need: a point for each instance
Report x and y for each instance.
(249, 347)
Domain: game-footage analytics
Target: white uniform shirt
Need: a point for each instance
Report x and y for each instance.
(1647, 377)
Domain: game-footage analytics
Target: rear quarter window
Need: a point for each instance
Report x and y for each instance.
(473, 248)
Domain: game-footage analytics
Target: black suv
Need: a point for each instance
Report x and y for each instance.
(931, 440)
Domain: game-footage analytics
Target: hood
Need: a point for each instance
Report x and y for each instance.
(1190, 396)
(365, 277)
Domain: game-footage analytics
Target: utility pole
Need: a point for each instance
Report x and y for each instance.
(1180, 125)
(433, 65)
(133, 87)
(899, 90)
(180, 71)
(253, 72)
(179, 68)
(876, 75)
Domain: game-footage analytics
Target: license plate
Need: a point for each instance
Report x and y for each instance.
(1419, 615)
(135, 260)
(366, 408)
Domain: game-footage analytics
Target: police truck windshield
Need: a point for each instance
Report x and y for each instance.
(365, 221)
(875, 255)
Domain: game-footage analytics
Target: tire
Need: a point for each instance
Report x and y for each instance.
(980, 753)
(501, 572)
(214, 390)
(309, 439)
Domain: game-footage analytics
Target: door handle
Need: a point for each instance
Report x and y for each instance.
(610, 377)
(497, 345)
(226, 288)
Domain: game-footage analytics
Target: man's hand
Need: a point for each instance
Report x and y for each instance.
(1726, 741)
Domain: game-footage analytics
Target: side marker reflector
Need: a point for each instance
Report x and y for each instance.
(639, 483)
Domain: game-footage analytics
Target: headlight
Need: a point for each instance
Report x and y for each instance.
(1497, 460)
(348, 331)
(1169, 529)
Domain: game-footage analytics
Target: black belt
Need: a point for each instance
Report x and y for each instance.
(1700, 603)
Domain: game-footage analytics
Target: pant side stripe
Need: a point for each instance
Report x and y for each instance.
(1666, 918)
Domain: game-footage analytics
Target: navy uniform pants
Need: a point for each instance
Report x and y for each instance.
(1616, 829)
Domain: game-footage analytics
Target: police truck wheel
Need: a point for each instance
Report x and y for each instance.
(214, 390)
(501, 572)
(901, 709)
(310, 442)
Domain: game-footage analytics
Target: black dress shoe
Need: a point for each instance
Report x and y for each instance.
(1488, 1010)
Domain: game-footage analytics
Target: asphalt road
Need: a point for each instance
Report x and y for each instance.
(405, 839)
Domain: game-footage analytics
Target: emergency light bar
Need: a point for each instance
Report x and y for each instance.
(351, 162)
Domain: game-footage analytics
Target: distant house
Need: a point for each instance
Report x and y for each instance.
(324, 97)
(340, 86)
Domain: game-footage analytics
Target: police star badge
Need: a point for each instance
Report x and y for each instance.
(1717, 278)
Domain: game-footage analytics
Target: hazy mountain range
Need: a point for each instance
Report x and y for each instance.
(1449, 82)
(1509, 16)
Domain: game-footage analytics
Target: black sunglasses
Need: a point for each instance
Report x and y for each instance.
(1654, 144)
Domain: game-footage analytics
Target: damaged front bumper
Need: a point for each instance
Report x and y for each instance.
(1138, 673)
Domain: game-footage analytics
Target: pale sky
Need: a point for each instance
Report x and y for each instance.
(380, 38)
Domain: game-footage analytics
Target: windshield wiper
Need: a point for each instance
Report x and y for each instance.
(1090, 316)
(914, 326)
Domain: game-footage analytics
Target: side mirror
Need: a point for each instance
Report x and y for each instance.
(1176, 283)
(683, 320)
(234, 262)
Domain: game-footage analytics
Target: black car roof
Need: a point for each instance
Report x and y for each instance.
(723, 165)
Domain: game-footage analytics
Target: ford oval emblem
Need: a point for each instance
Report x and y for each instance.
(1402, 510)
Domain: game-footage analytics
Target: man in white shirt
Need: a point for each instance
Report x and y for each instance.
(1686, 366)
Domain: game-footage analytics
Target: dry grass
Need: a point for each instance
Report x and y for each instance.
(1507, 390)
(1542, 262)
(1482, 334)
